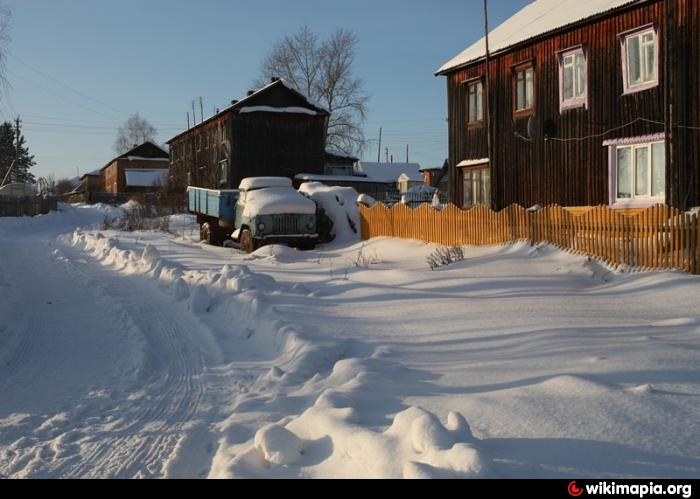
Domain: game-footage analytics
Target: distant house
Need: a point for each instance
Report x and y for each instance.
(274, 131)
(118, 175)
(91, 182)
(338, 163)
(436, 176)
(382, 181)
(582, 111)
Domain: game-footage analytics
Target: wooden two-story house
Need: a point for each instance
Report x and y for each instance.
(274, 131)
(587, 102)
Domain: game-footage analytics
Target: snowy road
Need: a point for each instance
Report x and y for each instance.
(100, 381)
(148, 355)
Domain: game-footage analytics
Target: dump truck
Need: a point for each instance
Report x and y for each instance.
(263, 210)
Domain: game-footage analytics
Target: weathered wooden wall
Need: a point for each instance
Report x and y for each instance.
(576, 172)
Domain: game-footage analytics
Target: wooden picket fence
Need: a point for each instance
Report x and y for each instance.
(654, 238)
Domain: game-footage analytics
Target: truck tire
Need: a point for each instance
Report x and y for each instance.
(247, 241)
(204, 232)
(212, 233)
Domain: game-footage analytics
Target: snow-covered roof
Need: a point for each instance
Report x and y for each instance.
(537, 18)
(309, 177)
(241, 104)
(388, 172)
(93, 173)
(336, 152)
(276, 201)
(146, 177)
(269, 109)
(264, 182)
(143, 158)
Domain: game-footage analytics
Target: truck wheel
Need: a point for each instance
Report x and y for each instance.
(247, 242)
(212, 234)
(204, 232)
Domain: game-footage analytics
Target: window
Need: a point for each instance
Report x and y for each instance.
(524, 90)
(476, 186)
(573, 79)
(640, 172)
(640, 67)
(475, 102)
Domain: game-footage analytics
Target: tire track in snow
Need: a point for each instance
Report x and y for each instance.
(170, 401)
(148, 426)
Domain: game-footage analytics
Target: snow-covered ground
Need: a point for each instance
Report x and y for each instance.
(151, 355)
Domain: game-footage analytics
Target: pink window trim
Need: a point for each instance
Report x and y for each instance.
(580, 101)
(626, 89)
(612, 171)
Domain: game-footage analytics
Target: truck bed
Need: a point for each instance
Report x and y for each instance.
(214, 203)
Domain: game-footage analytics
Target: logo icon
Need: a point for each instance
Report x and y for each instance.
(574, 490)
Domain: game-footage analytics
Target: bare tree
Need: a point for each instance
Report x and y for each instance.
(322, 69)
(135, 131)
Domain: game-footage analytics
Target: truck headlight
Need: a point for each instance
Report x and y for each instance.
(261, 226)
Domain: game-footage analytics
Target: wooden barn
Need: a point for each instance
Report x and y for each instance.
(274, 131)
(584, 102)
(125, 172)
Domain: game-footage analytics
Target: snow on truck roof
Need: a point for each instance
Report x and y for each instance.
(535, 19)
(251, 183)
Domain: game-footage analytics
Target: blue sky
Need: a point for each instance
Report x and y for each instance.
(78, 68)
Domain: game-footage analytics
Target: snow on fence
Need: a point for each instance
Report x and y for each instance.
(26, 206)
(654, 238)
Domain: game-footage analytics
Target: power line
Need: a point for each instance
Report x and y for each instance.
(55, 94)
(78, 92)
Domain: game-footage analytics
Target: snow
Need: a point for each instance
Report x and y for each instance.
(353, 360)
(388, 172)
(146, 177)
(340, 205)
(309, 177)
(472, 162)
(143, 158)
(261, 182)
(536, 18)
(276, 201)
(366, 200)
(269, 109)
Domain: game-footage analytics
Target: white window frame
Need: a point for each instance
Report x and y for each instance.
(635, 201)
(478, 86)
(628, 87)
(580, 100)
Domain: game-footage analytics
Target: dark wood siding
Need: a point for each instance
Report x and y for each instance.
(277, 144)
(259, 143)
(539, 171)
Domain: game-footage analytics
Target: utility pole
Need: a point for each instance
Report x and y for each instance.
(675, 193)
(487, 88)
(406, 153)
(379, 149)
(188, 120)
(194, 115)
(201, 108)
(386, 152)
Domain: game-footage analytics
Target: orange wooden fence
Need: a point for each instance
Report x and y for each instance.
(654, 238)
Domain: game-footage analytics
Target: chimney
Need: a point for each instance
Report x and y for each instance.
(274, 79)
(250, 92)
(234, 102)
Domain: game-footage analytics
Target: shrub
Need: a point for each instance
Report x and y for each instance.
(444, 256)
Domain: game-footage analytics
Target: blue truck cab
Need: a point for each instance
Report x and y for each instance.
(263, 210)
